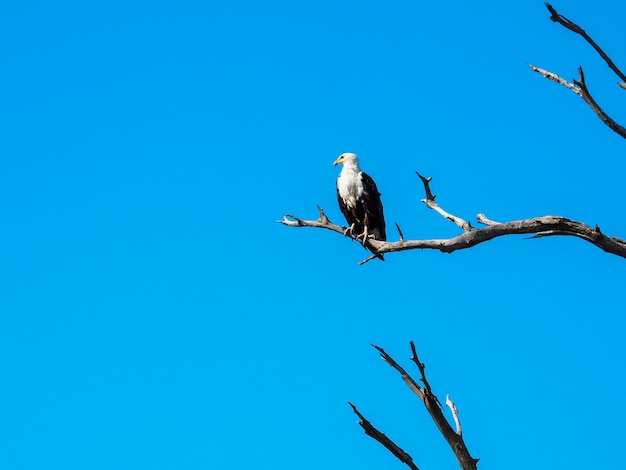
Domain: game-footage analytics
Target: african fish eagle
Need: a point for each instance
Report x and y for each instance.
(359, 200)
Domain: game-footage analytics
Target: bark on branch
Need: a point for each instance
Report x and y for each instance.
(433, 406)
(579, 86)
(558, 18)
(538, 227)
(391, 446)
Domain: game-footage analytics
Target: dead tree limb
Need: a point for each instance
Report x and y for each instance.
(538, 227)
(455, 414)
(433, 406)
(579, 86)
(391, 446)
(431, 204)
(558, 18)
(324, 222)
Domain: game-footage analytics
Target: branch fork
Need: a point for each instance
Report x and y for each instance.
(579, 86)
(424, 392)
(431, 204)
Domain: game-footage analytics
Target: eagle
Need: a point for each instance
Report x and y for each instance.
(359, 200)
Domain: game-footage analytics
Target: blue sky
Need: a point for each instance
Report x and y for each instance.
(154, 314)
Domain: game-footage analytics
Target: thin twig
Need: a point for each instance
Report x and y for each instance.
(400, 232)
(555, 78)
(431, 204)
(421, 367)
(323, 221)
(482, 218)
(455, 415)
(368, 259)
(426, 181)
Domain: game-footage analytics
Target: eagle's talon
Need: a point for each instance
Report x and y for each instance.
(349, 232)
(364, 235)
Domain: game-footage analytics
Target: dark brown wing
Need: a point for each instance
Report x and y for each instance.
(373, 207)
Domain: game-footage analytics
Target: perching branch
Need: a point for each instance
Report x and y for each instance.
(538, 227)
(579, 86)
(434, 408)
(324, 222)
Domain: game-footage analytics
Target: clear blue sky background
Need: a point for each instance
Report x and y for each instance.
(153, 314)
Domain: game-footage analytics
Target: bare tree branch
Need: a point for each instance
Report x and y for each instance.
(558, 18)
(434, 408)
(400, 234)
(455, 414)
(410, 382)
(555, 78)
(374, 433)
(548, 225)
(482, 218)
(585, 95)
(431, 204)
(324, 222)
(580, 88)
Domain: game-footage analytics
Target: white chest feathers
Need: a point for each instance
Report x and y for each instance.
(350, 186)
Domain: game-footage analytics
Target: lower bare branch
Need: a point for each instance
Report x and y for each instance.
(411, 383)
(433, 406)
(374, 433)
(422, 368)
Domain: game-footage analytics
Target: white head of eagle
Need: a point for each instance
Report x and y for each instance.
(359, 199)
